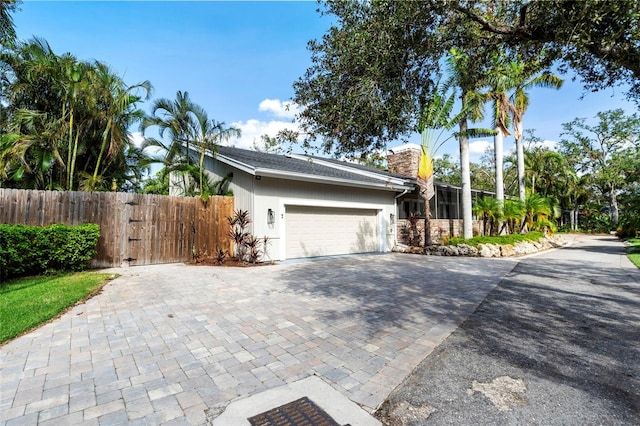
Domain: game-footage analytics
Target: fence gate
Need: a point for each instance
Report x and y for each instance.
(156, 229)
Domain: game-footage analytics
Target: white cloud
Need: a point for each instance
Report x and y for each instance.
(252, 129)
(552, 145)
(479, 147)
(278, 108)
(136, 138)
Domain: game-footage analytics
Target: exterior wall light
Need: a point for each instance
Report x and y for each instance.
(271, 217)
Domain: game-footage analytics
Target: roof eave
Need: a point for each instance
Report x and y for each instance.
(235, 163)
(387, 186)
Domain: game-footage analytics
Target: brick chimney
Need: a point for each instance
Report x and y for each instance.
(404, 160)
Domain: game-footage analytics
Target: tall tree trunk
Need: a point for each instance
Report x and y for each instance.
(427, 221)
(465, 171)
(613, 205)
(498, 144)
(70, 152)
(520, 159)
(72, 167)
(103, 146)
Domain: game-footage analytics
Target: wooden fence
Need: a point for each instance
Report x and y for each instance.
(135, 229)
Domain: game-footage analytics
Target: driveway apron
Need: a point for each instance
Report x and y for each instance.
(175, 344)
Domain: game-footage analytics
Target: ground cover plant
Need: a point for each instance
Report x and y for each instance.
(26, 303)
(633, 251)
(499, 239)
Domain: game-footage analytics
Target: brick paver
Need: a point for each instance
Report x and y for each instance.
(167, 343)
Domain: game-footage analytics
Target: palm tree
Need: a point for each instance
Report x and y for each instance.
(117, 113)
(500, 81)
(491, 211)
(74, 85)
(537, 211)
(7, 28)
(34, 111)
(177, 120)
(525, 76)
(513, 212)
(473, 103)
(543, 168)
(210, 133)
(62, 105)
(187, 125)
(35, 153)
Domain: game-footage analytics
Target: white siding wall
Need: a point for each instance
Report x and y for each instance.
(241, 185)
(276, 194)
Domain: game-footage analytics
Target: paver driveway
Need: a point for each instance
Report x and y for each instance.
(169, 343)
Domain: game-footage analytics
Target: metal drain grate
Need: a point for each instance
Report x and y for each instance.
(301, 412)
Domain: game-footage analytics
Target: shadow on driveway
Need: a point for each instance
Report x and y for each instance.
(397, 290)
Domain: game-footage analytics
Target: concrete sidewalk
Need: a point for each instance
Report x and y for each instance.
(175, 344)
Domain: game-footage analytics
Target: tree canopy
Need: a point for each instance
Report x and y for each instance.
(372, 71)
(607, 154)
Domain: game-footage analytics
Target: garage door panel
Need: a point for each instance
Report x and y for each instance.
(323, 231)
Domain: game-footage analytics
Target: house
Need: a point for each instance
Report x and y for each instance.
(311, 206)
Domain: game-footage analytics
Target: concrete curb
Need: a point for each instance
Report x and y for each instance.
(338, 406)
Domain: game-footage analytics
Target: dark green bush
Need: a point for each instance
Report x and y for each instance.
(32, 250)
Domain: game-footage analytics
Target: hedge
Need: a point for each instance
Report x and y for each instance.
(33, 250)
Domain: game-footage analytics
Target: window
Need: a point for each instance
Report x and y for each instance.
(409, 206)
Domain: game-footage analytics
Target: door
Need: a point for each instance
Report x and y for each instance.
(327, 231)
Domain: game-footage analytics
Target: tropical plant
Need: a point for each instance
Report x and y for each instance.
(490, 209)
(526, 75)
(606, 154)
(68, 130)
(210, 134)
(157, 184)
(177, 120)
(118, 112)
(513, 213)
(469, 80)
(248, 247)
(188, 128)
(538, 211)
(7, 27)
(500, 81)
(369, 72)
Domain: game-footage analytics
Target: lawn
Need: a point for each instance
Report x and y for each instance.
(633, 251)
(26, 303)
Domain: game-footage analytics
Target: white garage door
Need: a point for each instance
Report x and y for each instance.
(324, 231)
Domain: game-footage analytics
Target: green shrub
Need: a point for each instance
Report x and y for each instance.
(32, 250)
(502, 239)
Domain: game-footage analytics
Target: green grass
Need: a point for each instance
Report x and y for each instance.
(501, 239)
(26, 303)
(633, 252)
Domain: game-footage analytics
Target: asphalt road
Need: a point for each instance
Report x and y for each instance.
(556, 342)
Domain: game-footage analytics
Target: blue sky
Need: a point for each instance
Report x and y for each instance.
(239, 59)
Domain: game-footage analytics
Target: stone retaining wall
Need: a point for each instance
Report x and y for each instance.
(489, 250)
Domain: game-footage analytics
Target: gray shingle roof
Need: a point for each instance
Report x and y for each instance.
(288, 164)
